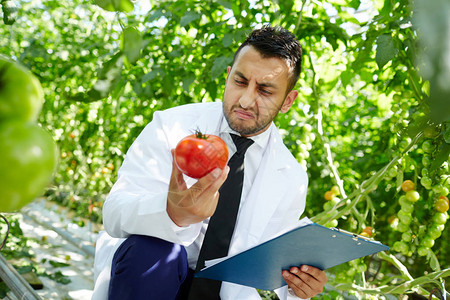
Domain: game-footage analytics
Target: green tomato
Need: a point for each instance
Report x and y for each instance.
(440, 218)
(407, 206)
(307, 127)
(412, 196)
(361, 268)
(397, 97)
(426, 160)
(427, 242)
(407, 237)
(438, 189)
(428, 146)
(401, 247)
(21, 94)
(402, 227)
(426, 182)
(431, 132)
(327, 206)
(28, 158)
(423, 251)
(392, 172)
(434, 232)
(332, 223)
(404, 217)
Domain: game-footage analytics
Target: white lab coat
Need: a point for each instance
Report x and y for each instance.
(137, 202)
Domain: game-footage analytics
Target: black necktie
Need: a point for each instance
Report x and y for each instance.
(221, 224)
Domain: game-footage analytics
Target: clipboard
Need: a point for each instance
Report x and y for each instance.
(311, 244)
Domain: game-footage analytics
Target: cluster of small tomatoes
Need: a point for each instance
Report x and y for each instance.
(331, 197)
(433, 195)
(305, 144)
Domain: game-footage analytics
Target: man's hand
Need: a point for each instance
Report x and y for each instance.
(306, 282)
(188, 206)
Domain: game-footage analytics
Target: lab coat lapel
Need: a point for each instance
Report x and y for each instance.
(270, 185)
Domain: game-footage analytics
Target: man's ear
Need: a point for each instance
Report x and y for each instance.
(290, 98)
(228, 73)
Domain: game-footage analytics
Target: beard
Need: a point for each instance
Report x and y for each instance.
(261, 121)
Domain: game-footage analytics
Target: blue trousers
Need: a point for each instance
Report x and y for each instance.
(146, 267)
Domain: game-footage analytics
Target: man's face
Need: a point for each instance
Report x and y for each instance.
(255, 91)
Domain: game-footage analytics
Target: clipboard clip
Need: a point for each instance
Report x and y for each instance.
(354, 236)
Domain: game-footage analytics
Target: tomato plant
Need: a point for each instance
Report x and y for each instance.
(198, 154)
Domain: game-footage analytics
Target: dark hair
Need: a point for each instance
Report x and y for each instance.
(276, 42)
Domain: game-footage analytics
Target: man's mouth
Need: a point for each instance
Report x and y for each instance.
(243, 114)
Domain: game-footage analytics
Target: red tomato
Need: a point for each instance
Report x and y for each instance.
(198, 154)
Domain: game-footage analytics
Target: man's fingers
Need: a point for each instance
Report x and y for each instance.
(316, 273)
(177, 175)
(210, 195)
(300, 288)
(306, 281)
(209, 184)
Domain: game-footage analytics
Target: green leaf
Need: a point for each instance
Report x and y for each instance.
(355, 4)
(224, 3)
(116, 5)
(386, 50)
(131, 44)
(156, 71)
(155, 15)
(57, 264)
(227, 39)
(387, 7)
(109, 74)
(286, 5)
(219, 66)
(107, 78)
(434, 262)
(188, 17)
(447, 134)
(346, 76)
(187, 81)
(442, 155)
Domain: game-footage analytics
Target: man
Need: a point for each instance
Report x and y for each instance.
(162, 216)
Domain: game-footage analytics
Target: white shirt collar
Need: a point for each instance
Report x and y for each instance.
(261, 139)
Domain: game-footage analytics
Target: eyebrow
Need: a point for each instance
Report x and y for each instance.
(261, 84)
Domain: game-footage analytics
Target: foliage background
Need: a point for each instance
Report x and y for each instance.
(358, 124)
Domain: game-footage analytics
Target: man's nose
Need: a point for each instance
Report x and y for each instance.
(248, 98)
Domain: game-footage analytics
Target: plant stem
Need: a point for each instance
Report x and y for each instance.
(401, 288)
(366, 187)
